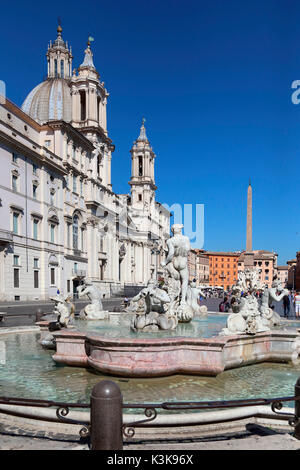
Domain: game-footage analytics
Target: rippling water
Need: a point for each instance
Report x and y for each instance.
(119, 326)
(28, 371)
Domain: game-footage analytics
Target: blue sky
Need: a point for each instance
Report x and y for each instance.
(213, 80)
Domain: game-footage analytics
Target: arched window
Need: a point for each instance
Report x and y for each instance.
(75, 232)
(98, 109)
(140, 166)
(82, 105)
(55, 67)
(62, 73)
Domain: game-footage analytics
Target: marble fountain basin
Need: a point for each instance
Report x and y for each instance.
(146, 355)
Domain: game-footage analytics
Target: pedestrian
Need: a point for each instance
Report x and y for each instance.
(224, 306)
(297, 304)
(286, 305)
(291, 297)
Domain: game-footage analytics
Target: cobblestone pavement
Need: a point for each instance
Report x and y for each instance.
(17, 433)
(235, 442)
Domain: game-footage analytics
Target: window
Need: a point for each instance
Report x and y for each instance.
(98, 108)
(16, 223)
(35, 229)
(34, 191)
(34, 168)
(68, 234)
(68, 285)
(52, 233)
(16, 260)
(75, 232)
(52, 198)
(75, 267)
(47, 143)
(140, 197)
(81, 187)
(82, 239)
(35, 279)
(16, 278)
(82, 105)
(74, 184)
(52, 276)
(14, 157)
(140, 166)
(62, 69)
(14, 182)
(55, 67)
(35, 262)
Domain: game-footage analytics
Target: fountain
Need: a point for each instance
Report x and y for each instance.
(155, 348)
(163, 335)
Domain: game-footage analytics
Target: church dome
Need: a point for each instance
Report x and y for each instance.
(50, 100)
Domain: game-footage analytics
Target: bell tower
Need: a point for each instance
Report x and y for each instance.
(89, 96)
(89, 99)
(142, 172)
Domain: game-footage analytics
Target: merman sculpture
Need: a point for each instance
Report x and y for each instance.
(253, 315)
(94, 310)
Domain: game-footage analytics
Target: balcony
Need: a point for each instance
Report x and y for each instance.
(79, 272)
(6, 236)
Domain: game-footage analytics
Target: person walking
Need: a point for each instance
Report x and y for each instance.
(224, 306)
(286, 305)
(297, 304)
(292, 308)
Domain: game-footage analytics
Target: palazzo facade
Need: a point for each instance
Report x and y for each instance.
(60, 218)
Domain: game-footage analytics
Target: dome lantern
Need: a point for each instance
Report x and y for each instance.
(59, 58)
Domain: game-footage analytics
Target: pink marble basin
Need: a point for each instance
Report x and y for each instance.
(155, 357)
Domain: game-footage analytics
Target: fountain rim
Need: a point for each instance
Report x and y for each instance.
(169, 341)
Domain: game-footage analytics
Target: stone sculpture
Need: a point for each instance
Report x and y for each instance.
(152, 314)
(94, 310)
(63, 308)
(176, 301)
(193, 294)
(253, 315)
(274, 293)
(177, 275)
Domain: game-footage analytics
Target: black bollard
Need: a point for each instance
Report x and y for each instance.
(106, 416)
(297, 410)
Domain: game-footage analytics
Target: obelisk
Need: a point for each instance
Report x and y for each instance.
(249, 218)
(249, 255)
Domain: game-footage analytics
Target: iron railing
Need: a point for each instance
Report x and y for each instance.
(150, 410)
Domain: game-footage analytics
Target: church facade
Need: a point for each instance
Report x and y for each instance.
(60, 218)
